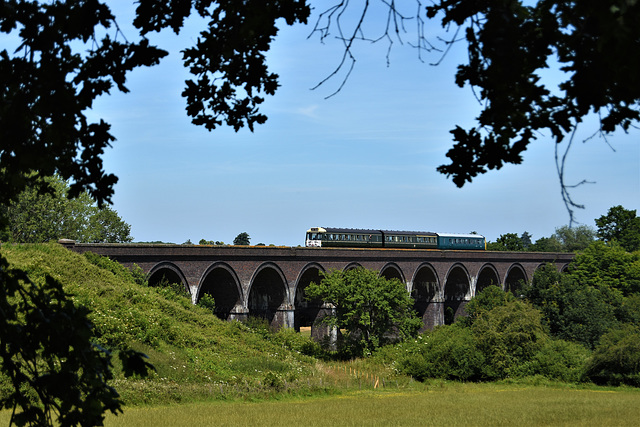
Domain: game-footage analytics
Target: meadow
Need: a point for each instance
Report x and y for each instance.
(451, 404)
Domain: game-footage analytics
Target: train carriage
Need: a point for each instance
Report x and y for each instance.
(365, 238)
(461, 241)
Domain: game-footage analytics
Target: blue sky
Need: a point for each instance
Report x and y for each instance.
(364, 158)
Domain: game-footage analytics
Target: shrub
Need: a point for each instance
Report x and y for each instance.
(448, 352)
(559, 360)
(616, 359)
(486, 300)
(508, 336)
(207, 301)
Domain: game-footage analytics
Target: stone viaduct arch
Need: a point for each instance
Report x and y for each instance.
(269, 282)
(166, 271)
(222, 283)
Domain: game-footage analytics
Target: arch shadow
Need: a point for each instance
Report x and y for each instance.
(306, 312)
(221, 282)
(457, 289)
(424, 290)
(515, 279)
(167, 271)
(391, 270)
(268, 295)
(487, 276)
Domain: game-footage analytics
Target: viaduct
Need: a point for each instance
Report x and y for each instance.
(270, 282)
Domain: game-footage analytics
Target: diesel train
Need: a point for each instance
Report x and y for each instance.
(327, 237)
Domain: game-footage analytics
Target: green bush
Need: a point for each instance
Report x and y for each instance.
(207, 301)
(508, 336)
(616, 359)
(448, 352)
(486, 300)
(294, 341)
(559, 360)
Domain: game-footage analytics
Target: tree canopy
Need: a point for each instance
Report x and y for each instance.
(66, 54)
(242, 239)
(369, 308)
(620, 225)
(35, 218)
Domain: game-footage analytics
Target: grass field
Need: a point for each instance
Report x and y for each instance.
(449, 405)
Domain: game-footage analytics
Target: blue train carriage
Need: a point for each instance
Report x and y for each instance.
(364, 238)
(461, 241)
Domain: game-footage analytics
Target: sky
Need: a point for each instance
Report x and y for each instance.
(363, 158)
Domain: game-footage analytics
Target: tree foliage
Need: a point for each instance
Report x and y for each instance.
(57, 374)
(510, 42)
(616, 359)
(506, 242)
(505, 338)
(598, 293)
(371, 309)
(242, 239)
(71, 52)
(35, 217)
(620, 225)
(574, 239)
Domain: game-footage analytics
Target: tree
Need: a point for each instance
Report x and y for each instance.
(620, 225)
(506, 242)
(510, 44)
(546, 244)
(574, 239)
(35, 217)
(525, 240)
(574, 310)
(369, 308)
(509, 336)
(242, 239)
(607, 267)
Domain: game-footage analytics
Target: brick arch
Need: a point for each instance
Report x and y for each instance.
(268, 295)
(425, 291)
(306, 312)
(168, 270)
(221, 282)
(392, 266)
(515, 274)
(351, 266)
(487, 275)
(457, 290)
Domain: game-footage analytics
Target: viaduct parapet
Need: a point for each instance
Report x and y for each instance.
(270, 281)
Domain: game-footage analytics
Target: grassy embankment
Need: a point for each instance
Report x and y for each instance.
(201, 359)
(197, 355)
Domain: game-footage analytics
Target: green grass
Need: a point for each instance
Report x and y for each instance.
(443, 404)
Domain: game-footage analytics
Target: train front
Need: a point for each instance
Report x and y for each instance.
(314, 237)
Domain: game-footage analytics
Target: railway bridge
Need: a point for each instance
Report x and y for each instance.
(270, 281)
